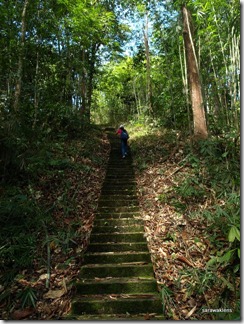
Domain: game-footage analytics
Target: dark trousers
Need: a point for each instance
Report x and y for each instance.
(124, 147)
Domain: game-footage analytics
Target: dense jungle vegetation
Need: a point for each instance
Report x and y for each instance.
(169, 71)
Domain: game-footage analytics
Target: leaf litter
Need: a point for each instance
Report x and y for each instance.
(180, 247)
(72, 197)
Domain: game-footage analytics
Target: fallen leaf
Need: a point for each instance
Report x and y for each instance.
(183, 259)
(53, 294)
(43, 276)
(147, 317)
(22, 313)
(191, 311)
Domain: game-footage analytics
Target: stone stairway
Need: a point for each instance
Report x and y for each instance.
(117, 279)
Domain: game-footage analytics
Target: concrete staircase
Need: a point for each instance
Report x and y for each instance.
(117, 280)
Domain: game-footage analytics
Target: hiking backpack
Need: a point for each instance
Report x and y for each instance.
(124, 136)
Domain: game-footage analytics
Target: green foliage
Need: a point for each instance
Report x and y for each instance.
(234, 234)
(45, 190)
(25, 150)
(217, 167)
(20, 223)
(166, 295)
(27, 297)
(191, 189)
(198, 281)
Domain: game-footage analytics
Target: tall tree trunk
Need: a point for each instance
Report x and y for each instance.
(36, 86)
(234, 80)
(83, 83)
(21, 58)
(200, 126)
(36, 93)
(149, 82)
(92, 61)
(185, 85)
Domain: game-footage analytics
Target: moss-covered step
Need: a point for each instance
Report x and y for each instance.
(118, 229)
(121, 246)
(118, 191)
(126, 169)
(117, 237)
(115, 317)
(112, 222)
(116, 286)
(118, 209)
(123, 164)
(107, 214)
(137, 269)
(135, 305)
(118, 169)
(116, 158)
(119, 182)
(114, 197)
(119, 203)
(116, 257)
(120, 175)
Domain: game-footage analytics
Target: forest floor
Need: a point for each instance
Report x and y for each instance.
(180, 239)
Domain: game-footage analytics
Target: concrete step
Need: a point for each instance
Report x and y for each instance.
(120, 170)
(117, 237)
(120, 163)
(133, 304)
(108, 214)
(108, 196)
(112, 222)
(118, 229)
(118, 185)
(120, 175)
(118, 203)
(117, 209)
(120, 246)
(136, 269)
(119, 181)
(116, 317)
(116, 257)
(116, 286)
(118, 191)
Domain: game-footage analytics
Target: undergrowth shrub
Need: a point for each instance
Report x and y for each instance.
(24, 141)
(20, 223)
(28, 151)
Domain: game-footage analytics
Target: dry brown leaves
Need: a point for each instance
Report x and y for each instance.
(176, 244)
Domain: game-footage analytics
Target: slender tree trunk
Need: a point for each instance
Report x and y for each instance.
(92, 60)
(234, 73)
(225, 103)
(149, 82)
(135, 95)
(200, 127)
(83, 83)
(36, 87)
(217, 85)
(185, 85)
(36, 94)
(21, 58)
